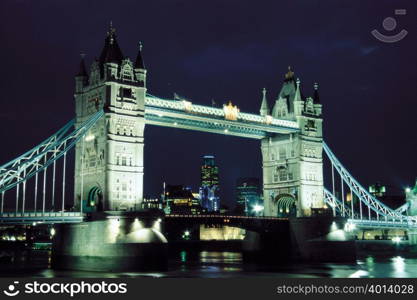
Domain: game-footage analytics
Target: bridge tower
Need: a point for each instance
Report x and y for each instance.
(109, 159)
(411, 198)
(293, 164)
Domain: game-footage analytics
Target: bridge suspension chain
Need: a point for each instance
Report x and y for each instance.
(35, 163)
(43, 156)
(373, 204)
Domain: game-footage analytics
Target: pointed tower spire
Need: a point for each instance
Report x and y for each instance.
(316, 97)
(139, 64)
(111, 33)
(111, 52)
(264, 105)
(297, 96)
(82, 70)
(289, 75)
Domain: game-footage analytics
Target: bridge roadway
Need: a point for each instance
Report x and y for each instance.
(258, 223)
(13, 218)
(248, 222)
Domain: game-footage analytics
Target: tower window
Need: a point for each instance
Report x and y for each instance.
(282, 153)
(282, 175)
(126, 93)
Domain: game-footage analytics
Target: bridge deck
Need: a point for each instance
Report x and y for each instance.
(41, 217)
(185, 115)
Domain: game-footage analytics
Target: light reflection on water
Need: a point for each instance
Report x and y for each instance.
(209, 264)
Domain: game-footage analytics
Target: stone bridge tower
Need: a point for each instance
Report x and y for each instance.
(109, 159)
(411, 198)
(293, 164)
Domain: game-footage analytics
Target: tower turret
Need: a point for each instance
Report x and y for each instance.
(316, 99)
(264, 111)
(81, 79)
(298, 101)
(111, 56)
(140, 71)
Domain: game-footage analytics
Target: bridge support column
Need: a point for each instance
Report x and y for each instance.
(112, 241)
(411, 198)
(412, 237)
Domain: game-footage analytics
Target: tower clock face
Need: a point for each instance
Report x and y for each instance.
(93, 105)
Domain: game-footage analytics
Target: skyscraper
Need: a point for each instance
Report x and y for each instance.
(209, 184)
(247, 195)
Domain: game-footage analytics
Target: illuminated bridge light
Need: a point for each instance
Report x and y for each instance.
(187, 105)
(268, 119)
(89, 138)
(230, 111)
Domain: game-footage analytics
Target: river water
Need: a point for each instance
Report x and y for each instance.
(227, 265)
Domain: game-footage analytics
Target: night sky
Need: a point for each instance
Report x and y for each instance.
(222, 50)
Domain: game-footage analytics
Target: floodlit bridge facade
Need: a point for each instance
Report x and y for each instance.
(112, 109)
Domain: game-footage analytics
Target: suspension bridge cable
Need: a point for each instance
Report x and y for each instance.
(24, 192)
(17, 197)
(63, 182)
(351, 203)
(2, 202)
(53, 181)
(44, 188)
(82, 176)
(334, 209)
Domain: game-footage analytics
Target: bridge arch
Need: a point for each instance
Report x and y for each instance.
(286, 205)
(95, 198)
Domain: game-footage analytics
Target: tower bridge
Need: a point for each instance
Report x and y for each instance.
(113, 107)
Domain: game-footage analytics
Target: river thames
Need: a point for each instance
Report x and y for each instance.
(210, 264)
